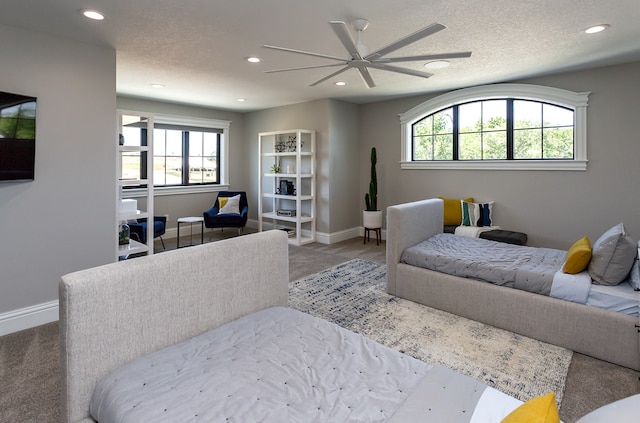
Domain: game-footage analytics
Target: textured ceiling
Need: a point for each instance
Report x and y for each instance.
(198, 48)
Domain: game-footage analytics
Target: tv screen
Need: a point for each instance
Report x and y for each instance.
(17, 137)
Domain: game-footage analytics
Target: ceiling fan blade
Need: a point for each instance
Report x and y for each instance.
(329, 76)
(305, 67)
(400, 70)
(342, 31)
(308, 53)
(411, 38)
(366, 77)
(425, 57)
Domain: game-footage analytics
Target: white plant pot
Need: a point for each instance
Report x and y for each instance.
(372, 219)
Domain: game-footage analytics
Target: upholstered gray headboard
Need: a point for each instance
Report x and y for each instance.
(407, 225)
(112, 314)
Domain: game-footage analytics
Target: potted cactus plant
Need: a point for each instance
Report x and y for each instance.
(371, 216)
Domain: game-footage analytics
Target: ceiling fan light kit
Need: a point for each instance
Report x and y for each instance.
(361, 60)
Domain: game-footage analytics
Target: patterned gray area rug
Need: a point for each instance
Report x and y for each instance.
(353, 296)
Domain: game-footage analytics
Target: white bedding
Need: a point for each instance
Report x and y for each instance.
(620, 298)
(281, 365)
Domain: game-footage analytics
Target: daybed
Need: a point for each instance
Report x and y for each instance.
(606, 335)
(204, 334)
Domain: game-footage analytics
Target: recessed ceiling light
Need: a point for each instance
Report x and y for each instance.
(437, 64)
(92, 14)
(341, 83)
(241, 99)
(596, 28)
(157, 85)
(253, 59)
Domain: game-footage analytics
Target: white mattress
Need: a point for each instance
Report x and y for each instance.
(620, 298)
(281, 365)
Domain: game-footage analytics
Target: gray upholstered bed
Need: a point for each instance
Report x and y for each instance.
(603, 334)
(204, 334)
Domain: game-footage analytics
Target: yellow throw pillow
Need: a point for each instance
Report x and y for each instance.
(453, 211)
(578, 256)
(222, 201)
(540, 409)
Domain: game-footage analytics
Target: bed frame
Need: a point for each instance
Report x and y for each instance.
(112, 314)
(602, 334)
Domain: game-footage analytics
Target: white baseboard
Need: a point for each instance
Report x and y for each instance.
(28, 317)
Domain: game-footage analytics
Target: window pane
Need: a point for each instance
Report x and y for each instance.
(556, 116)
(470, 147)
(470, 117)
(494, 145)
(527, 114)
(195, 144)
(173, 171)
(443, 122)
(443, 147)
(527, 144)
(423, 127)
(558, 143)
(159, 142)
(159, 168)
(209, 175)
(131, 165)
(195, 170)
(423, 148)
(494, 115)
(210, 144)
(174, 143)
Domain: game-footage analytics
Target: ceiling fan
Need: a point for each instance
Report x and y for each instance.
(361, 60)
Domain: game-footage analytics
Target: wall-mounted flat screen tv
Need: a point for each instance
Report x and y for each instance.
(17, 137)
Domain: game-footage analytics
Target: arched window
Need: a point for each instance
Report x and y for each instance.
(502, 126)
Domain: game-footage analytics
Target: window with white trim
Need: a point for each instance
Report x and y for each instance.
(502, 126)
(188, 153)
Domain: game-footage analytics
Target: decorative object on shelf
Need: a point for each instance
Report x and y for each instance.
(286, 188)
(371, 216)
(285, 212)
(283, 187)
(275, 168)
(123, 234)
(280, 147)
(291, 169)
(291, 190)
(291, 143)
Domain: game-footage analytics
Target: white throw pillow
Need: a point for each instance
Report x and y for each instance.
(232, 206)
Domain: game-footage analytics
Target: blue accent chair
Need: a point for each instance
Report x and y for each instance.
(139, 230)
(214, 220)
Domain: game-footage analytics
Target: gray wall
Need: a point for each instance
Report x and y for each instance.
(555, 208)
(63, 220)
(345, 202)
(336, 126)
(311, 115)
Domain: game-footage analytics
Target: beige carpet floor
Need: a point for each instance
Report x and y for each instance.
(29, 360)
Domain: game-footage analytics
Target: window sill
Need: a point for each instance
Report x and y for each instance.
(578, 165)
(177, 190)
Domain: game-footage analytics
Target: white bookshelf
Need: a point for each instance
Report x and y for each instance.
(136, 149)
(295, 152)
